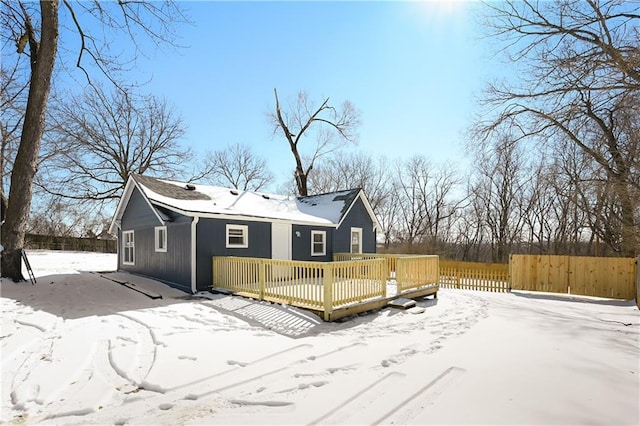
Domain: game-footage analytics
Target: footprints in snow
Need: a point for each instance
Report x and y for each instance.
(188, 357)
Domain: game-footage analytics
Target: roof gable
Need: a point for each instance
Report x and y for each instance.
(124, 201)
(333, 205)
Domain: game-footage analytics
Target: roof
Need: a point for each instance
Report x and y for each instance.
(209, 201)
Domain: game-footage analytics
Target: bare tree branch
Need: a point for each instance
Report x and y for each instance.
(331, 128)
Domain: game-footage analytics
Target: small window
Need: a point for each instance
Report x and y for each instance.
(161, 238)
(128, 248)
(318, 243)
(356, 240)
(237, 236)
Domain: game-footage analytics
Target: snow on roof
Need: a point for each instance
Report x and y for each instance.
(323, 209)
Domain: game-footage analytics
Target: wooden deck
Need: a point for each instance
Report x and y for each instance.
(330, 289)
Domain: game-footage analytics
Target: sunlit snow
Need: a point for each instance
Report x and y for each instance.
(79, 348)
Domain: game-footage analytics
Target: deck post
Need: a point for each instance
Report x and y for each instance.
(327, 280)
(399, 275)
(213, 271)
(261, 276)
(382, 275)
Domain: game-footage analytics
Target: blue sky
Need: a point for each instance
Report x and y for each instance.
(413, 69)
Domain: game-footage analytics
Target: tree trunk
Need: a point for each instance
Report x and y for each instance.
(43, 55)
(11, 265)
(301, 181)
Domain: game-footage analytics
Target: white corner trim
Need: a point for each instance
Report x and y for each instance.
(194, 284)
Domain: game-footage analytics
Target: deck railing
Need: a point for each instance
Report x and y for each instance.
(416, 271)
(390, 259)
(321, 286)
(410, 271)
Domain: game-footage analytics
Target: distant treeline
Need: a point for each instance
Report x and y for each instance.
(51, 242)
(485, 253)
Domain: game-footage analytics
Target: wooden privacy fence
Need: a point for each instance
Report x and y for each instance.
(333, 289)
(51, 242)
(474, 276)
(612, 277)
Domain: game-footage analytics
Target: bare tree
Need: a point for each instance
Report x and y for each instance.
(425, 199)
(500, 185)
(13, 97)
(578, 86)
(353, 170)
(470, 230)
(100, 138)
(441, 206)
(327, 127)
(35, 29)
(237, 166)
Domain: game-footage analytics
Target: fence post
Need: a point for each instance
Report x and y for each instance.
(509, 274)
(638, 282)
(327, 278)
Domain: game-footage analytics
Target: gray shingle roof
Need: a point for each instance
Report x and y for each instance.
(169, 190)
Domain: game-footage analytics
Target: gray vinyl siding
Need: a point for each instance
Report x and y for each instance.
(138, 214)
(301, 245)
(172, 266)
(211, 241)
(358, 217)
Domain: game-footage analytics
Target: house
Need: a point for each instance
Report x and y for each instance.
(171, 230)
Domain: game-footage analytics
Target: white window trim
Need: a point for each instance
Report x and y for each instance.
(158, 229)
(359, 230)
(245, 236)
(324, 243)
(124, 248)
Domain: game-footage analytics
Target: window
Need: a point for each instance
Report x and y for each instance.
(356, 240)
(237, 236)
(318, 243)
(161, 238)
(128, 248)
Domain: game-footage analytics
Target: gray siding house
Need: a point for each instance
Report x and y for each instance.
(171, 230)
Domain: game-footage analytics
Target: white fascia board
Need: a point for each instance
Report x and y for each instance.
(367, 206)
(124, 201)
(242, 217)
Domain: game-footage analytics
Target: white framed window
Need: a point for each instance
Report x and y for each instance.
(161, 239)
(318, 243)
(237, 236)
(356, 240)
(128, 248)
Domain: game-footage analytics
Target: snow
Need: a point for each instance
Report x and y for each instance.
(326, 209)
(78, 348)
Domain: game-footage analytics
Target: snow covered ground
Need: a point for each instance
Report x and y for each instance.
(78, 348)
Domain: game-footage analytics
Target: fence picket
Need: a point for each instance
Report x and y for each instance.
(492, 277)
